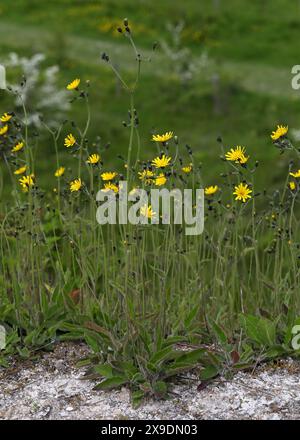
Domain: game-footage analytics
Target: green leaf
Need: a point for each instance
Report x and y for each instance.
(260, 330)
(219, 333)
(104, 370)
(110, 383)
(209, 372)
(136, 398)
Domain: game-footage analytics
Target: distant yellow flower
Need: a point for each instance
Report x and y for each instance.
(59, 172)
(93, 159)
(187, 169)
(20, 170)
(74, 84)
(292, 186)
(160, 180)
(5, 117)
(280, 131)
(146, 176)
(242, 192)
(296, 174)
(210, 190)
(133, 191)
(26, 182)
(146, 211)
(162, 137)
(110, 187)
(108, 176)
(3, 130)
(70, 140)
(18, 147)
(161, 162)
(237, 155)
(76, 185)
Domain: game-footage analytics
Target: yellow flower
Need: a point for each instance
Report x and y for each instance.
(74, 84)
(18, 147)
(93, 159)
(237, 155)
(292, 186)
(76, 185)
(20, 170)
(296, 174)
(5, 117)
(160, 180)
(59, 172)
(280, 131)
(210, 190)
(111, 187)
(133, 191)
(26, 182)
(161, 162)
(146, 211)
(109, 175)
(146, 176)
(162, 137)
(242, 192)
(70, 140)
(3, 130)
(187, 169)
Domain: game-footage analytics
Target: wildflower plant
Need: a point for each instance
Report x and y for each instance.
(138, 293)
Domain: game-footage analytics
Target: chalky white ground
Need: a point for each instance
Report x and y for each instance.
(51, 388)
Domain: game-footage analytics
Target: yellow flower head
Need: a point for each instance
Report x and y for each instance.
(146, 211)
(160, 180)
(74, 84)
(211, 190)
(296, 174)
(76, 185)
(5, 117)
(3, 130)
(18, 147)
(146, 176)
(280, 131)
(59, 172)
(20, 170)
(242, 192)
(162, 137)
(237, 155)
(26, 182)
(110, 175)
(70, 140)
(93, 159)
(292, 186)
(110, 187)
(187, 169)
(161, 162)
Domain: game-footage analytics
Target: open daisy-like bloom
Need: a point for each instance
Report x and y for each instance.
(237, 155)
(74, 84)
(76, 185)
(18, 147)
(160, 180)
(5, 117)
(211, 190)
(280, 131)
(146, 176)
(59, 172)
(93, 159)
(242, 192)
(161, 162)
(70, 140)
(146, 211)
(110, 187)
(296, 174)
(3, 130)
(26, 182)
(187, 169)
(292, 186)
(162, 137)
(110, 175)
(20, 170)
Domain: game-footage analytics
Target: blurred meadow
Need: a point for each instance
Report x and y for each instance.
(222, 68)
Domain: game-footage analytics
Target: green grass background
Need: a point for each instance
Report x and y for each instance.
(252, 45)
